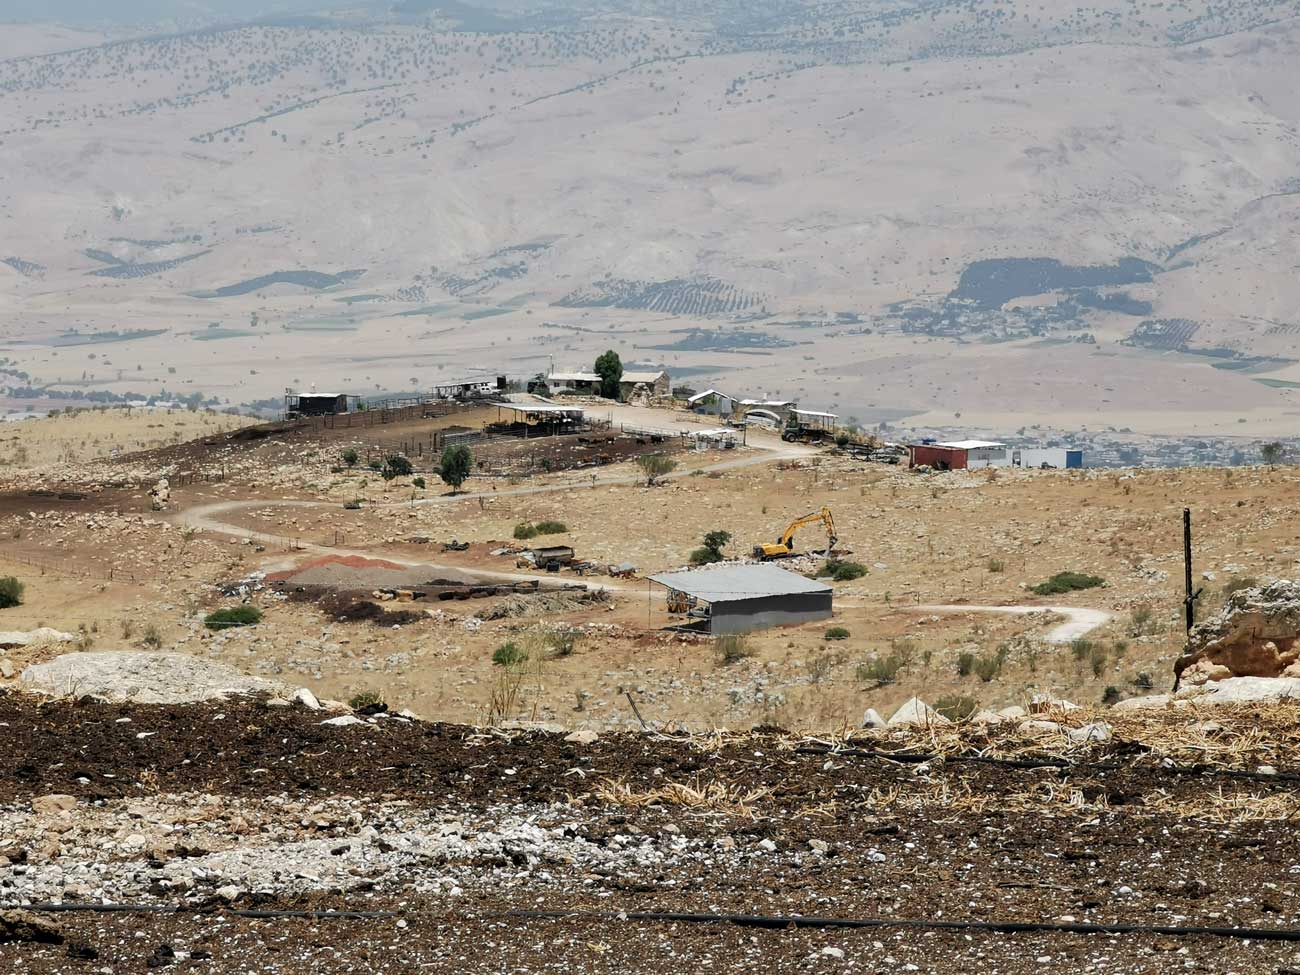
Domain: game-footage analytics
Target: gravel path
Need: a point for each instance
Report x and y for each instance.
(1079, 619)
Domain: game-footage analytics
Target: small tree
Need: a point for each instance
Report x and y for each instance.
(711, 550)
(11, 592)
(350, 457)
(455, 465)
(395, 465)
(1272, 453)
(609, 367)
(655, 466)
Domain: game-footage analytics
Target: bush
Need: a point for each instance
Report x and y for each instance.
(988, 667)
(1112, 695)
(956, 707)
(418, 482)
(562, 642)
(508, 655)
(395, 465)
(1143, 681)
(151, 639)
(551, 527)
(233, 616)
(1068, 582)
(350, 457)
(11, 592)
(655, 466)
(837, 633)
(1097, 660)
(996, 565)
(375, 464)
(370, 701)
(883, 670)
(525, 531)
(704, 556)
(965, 663)
(732, 648)
(711, 550)
(842, 571)
(1141, 617)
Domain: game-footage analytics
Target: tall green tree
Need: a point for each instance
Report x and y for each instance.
(455, 465)
(609, 367)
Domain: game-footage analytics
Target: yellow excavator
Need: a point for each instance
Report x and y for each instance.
(784, 545)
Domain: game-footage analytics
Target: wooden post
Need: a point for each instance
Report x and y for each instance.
(1191, 597)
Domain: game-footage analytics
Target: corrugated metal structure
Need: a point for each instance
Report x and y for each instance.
(1065, 458)
(959, 455)
(740, 598)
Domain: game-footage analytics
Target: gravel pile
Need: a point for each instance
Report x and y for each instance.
(144, 678)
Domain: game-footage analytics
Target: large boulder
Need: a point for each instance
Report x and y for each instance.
(1255, 635)
(1233, 690)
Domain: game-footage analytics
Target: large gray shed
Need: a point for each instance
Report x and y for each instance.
(739, 598)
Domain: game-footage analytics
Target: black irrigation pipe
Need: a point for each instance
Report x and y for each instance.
(920, 758)
(996, 927)
(76, 907)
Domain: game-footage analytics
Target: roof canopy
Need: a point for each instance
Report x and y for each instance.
(970, 444)
(640, 376)
(827, 416)
(733, 583)
(574, 377)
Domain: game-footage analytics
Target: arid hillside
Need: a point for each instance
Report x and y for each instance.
(911, 209)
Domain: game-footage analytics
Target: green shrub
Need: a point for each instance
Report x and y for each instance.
(965, 663)
(1111, 695)
(1097, 660)
(525, 530)
(367, 699)
(551, 527)
(455, 466)
(233, 616)
(508, 655)
(837, 633)
(732, 648)
(418, 482)
(704, 556)
(956, 707)
(996, 565)
(882, 670)
(375, 464)
(350, 457)
(562, 642)
(842, 571)
(1068, 582)
(11, 592)
(1082, 649)
(151, 639)
(398, 465)
(988, 667)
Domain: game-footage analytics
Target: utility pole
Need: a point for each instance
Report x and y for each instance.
(1191, 597)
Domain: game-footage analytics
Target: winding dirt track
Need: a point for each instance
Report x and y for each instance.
(1079, 620)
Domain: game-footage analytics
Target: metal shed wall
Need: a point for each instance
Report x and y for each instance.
(790, 609)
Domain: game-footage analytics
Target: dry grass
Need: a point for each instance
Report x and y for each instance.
(712, 796)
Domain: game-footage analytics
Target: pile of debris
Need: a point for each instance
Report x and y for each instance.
(544, 603)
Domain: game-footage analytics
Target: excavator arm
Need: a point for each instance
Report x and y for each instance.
(785, 544)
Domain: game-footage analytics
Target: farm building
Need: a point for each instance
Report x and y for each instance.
(317, 404)
(712, 402)
(959, 455)
(573, 382)
(656, 382)
(1059, 457)
(739, 598)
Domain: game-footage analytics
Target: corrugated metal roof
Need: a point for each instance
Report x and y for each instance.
(970, 444)
(541, 408)
(642, 377)
(832, 416)
(574, 377)
(706, 394)
(730, 583)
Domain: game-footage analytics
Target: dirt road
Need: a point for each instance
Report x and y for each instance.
(1079, 620)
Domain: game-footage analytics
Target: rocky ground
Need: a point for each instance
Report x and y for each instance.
(252, 804)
